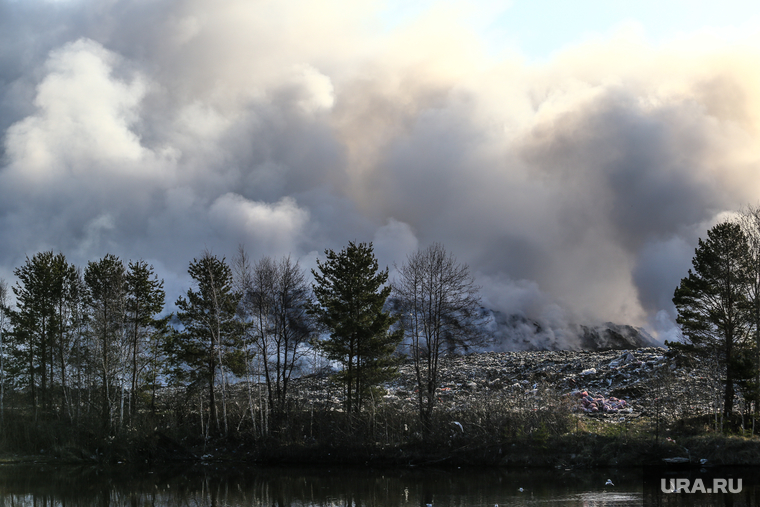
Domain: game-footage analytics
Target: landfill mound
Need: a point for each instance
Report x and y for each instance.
(513, 332)
(611, 336)
(612, 385)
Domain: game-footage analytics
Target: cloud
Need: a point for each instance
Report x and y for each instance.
(276, 226)
(574, 188)
(83, 119)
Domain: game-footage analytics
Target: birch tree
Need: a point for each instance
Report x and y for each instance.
(275, 300)
(437, 302)
(144, 301)
(105, 281)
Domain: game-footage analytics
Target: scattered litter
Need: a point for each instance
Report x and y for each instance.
(616, 383)
(676, 461)
(625, 358)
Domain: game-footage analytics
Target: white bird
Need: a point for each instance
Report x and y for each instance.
(520, 490)
(703, 461)
(608, 483)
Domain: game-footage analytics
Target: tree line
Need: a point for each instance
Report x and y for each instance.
(94, 347)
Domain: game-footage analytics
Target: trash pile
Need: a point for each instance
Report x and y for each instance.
(609, 384)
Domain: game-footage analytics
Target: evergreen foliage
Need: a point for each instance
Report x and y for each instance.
(350, 294)
(45, 323)
(210, 340)
(89, 350)
(713, 306)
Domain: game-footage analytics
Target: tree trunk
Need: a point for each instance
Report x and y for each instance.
(211, 395)
(728, 400)
(133, 398)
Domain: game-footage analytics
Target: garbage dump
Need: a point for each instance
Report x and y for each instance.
(605, 384)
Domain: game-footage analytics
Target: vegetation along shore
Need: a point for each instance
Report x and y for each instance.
(262, 363)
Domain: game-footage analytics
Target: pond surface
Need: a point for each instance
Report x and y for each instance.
(242, 486)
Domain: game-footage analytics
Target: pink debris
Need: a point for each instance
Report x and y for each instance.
(593, 404)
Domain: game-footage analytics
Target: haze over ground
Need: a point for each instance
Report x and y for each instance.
(571, 155)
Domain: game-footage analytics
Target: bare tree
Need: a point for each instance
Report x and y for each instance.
(256, 284)
(275, 296)
(437, 302)
(243, 278)
(105, 283)
(144, 300)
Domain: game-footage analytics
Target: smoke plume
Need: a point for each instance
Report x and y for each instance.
(574, 188)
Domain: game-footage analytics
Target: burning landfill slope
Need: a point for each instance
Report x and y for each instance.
(513, 332)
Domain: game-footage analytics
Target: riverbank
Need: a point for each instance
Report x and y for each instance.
(572, 451)
(562, 409)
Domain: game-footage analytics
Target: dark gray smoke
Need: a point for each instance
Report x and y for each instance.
(575, 189)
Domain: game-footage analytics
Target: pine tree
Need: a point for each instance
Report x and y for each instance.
(47, 292)
(69, 292)
(749, 220)
(712, 303)
(211, 336)
(350, 295)
(32, 321)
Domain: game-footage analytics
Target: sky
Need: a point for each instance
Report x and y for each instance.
(571, 153)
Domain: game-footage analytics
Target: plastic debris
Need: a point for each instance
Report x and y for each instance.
(594, 404)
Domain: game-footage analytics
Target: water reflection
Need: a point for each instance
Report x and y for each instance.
(231, 486)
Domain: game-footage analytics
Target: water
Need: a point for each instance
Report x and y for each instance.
(239, 486)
